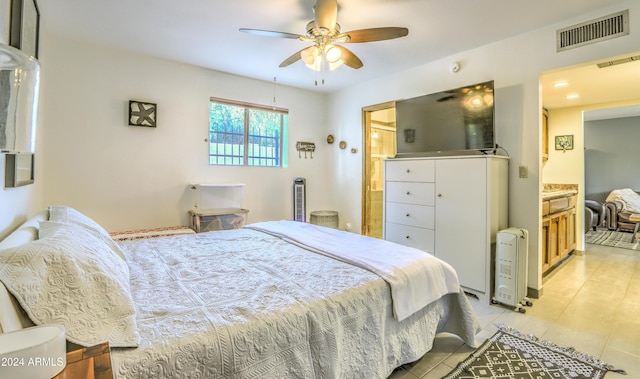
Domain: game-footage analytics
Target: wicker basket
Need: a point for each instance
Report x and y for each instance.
(325, 218)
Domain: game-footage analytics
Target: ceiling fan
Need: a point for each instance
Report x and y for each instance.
(324, 32)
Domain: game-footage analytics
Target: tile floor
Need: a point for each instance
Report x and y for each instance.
(591, 303)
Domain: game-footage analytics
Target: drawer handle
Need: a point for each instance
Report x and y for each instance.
(408, 193)
(408, 171)
(408, 237)
(439, 195)
(408, 215)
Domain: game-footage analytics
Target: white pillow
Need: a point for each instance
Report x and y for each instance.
(68, 215)
(26, 232)
(70, 276)
(12, 317)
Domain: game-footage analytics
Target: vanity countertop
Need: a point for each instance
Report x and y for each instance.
(553, 191)
(553, 194)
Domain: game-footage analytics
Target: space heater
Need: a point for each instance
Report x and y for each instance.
(511, 269)
(299, 200)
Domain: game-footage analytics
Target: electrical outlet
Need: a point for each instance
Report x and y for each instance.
(524, 172)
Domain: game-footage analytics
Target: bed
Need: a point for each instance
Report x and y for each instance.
(270, 300)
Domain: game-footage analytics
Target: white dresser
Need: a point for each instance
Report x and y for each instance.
(451, 207)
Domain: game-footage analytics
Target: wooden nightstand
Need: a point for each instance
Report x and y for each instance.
(88, 363)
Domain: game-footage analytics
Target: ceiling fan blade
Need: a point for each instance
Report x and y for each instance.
(269, 33)
(326, 14)
(349, 58)
(375, 34)
(295, 57)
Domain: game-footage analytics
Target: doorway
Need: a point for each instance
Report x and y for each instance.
(599, 87)
(379, 144)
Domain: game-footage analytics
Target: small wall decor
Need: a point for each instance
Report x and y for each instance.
(564, 143)
(18, 170)
(142, 114)
(24, 26)
(307, 147)
(409, 135)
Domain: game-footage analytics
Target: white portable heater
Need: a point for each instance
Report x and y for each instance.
(511, 269)
(299, 200)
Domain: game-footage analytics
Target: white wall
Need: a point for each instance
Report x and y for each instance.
(136, 177)
(514, 64)
(611, 155)
(568, 167)
(18, 204)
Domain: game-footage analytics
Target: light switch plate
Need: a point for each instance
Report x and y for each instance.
(524, 172)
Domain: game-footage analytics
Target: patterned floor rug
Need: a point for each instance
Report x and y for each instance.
(612, 238)
(511, 354)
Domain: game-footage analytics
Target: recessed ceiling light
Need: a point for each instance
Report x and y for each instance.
(561, 83)
(573, 96)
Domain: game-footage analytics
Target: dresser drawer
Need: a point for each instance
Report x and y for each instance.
(410, 214)
(410, 170)
(410, 193)
(411, 236)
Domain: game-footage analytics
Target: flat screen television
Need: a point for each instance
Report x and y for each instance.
(457, 120)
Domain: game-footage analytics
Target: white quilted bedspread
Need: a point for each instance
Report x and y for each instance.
(416, 278)
(244, 304)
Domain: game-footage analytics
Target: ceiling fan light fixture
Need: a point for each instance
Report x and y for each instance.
(315, 58)
(309, 57)
(327, 51)
(312, 58)
(332, 53)
(332, 57)
(334, 65)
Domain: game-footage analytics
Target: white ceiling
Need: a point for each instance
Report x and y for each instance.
(595, 85)
(609, 113)
(205, 33)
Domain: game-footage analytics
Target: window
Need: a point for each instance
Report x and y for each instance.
(244, 134)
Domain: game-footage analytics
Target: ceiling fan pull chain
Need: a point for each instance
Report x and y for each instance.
(274, 93)
(323, 60)
(315, 72)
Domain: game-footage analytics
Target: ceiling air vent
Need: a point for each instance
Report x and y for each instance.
(600, 29)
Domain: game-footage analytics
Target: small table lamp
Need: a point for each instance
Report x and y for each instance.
(38, 352)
